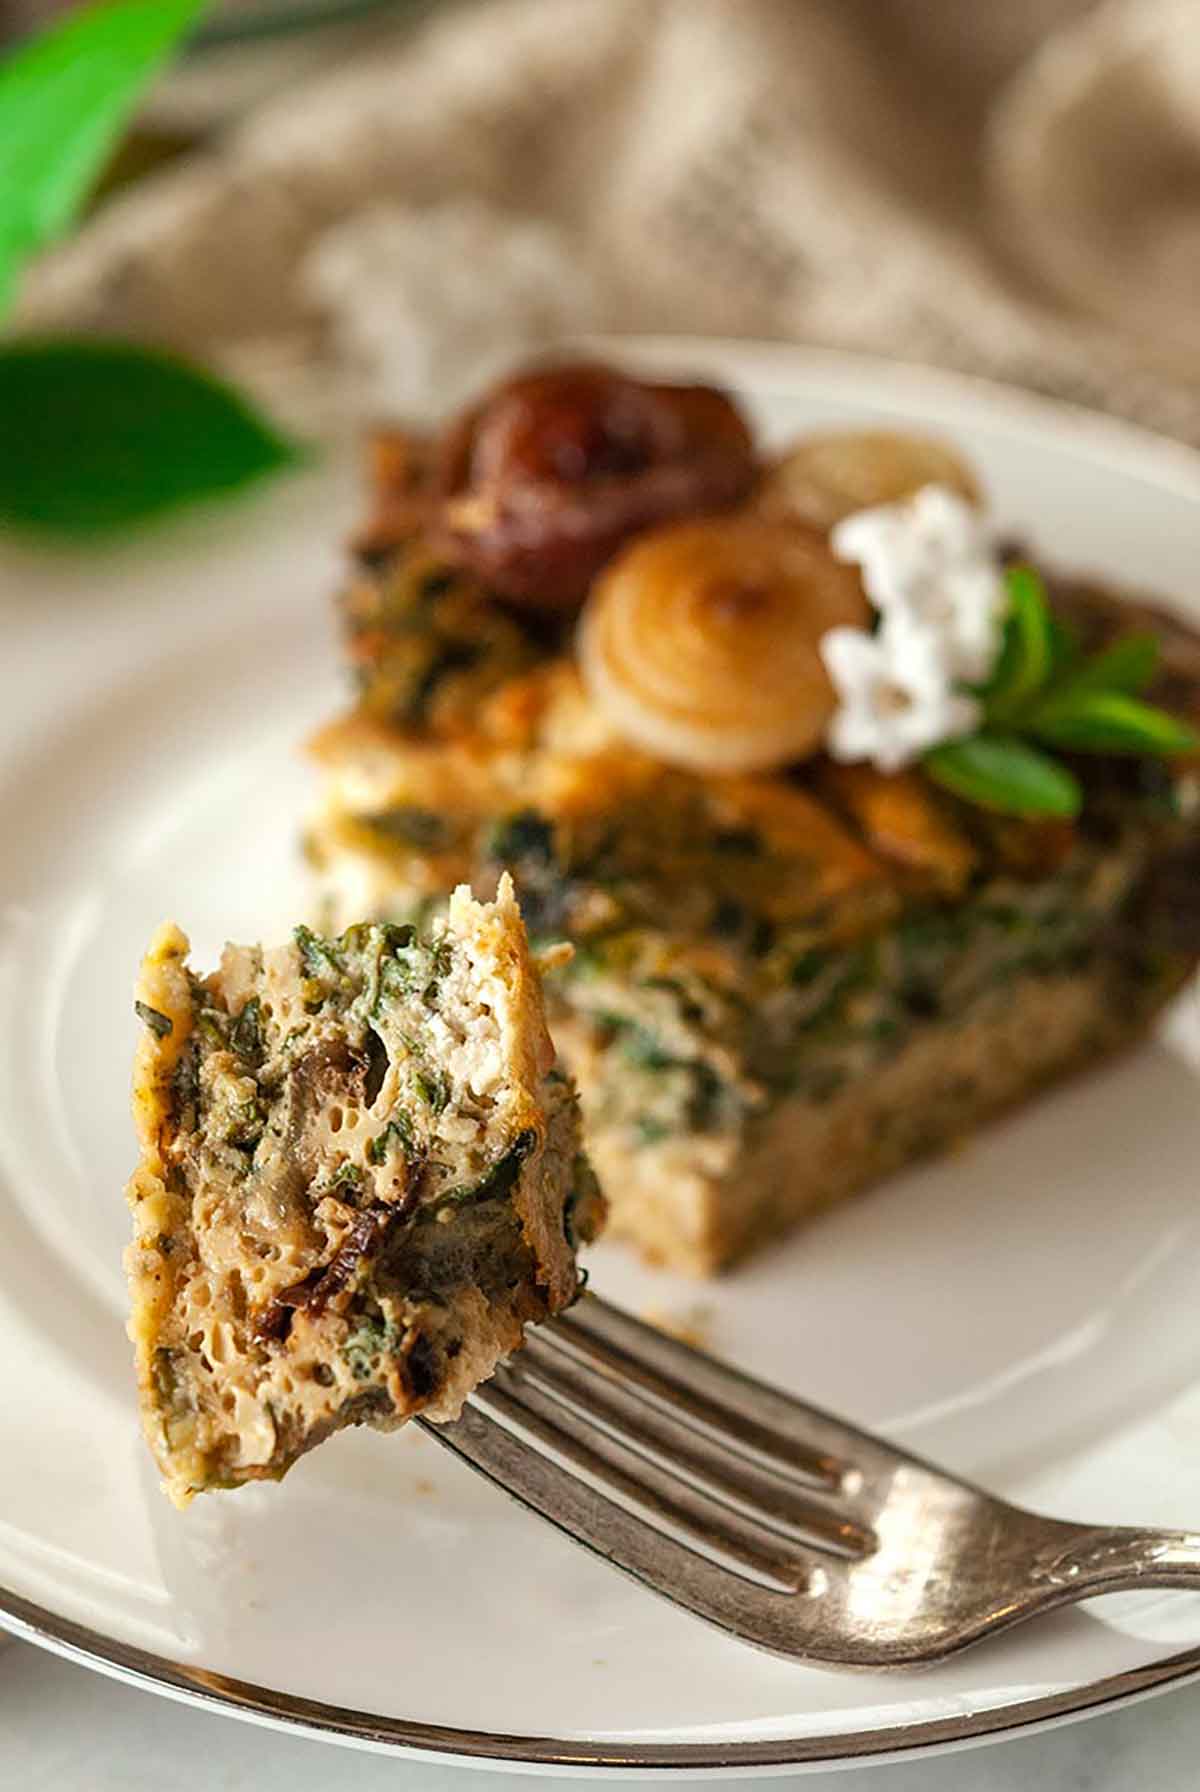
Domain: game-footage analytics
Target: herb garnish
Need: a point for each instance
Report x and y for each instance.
(1045, 694)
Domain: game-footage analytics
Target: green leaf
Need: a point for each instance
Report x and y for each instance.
(64, 100)
(1128, 665)
(1064, 648)
(1000, 772)
(98, 435)
(1027, 654)
(1107, 721)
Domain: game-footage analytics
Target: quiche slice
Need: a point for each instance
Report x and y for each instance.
(360, 1179)
(791, 976)
(785, 986)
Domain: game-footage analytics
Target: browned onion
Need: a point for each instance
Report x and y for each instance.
(825, 477)
(702, 641)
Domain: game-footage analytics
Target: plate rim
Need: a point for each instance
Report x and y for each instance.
(203, 1689)
(1127, 447)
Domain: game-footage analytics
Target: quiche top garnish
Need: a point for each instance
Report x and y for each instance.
(846, 599)
(544, 480)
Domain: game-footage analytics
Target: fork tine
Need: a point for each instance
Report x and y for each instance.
(622, 1439)
(640, 1489)
(737, 1604)
(692, 1482)
(691, 1404)
(730, 1409)
(655, 1434)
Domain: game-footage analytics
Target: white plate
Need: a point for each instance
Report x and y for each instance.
(1025, 1310)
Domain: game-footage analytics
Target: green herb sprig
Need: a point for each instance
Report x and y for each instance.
(97, 436)
(1045, 694)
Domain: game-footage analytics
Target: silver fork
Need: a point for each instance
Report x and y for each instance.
(773, 1520)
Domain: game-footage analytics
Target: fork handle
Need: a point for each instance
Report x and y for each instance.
(1114, 1559)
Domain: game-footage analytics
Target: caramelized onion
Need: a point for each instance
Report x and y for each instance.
(823, 478)
(702, 641)
(550, 475)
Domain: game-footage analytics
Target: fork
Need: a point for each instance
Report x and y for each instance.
(780, 1524)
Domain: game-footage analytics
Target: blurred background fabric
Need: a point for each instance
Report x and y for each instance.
(1011, 190)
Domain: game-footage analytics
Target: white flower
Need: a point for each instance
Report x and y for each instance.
(896, 698)
(929, 562)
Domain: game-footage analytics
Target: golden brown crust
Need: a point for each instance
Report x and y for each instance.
(497, 939)
(900, 817)
(157, 1213)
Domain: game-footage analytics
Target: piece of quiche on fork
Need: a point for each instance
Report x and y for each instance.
(361, 1177)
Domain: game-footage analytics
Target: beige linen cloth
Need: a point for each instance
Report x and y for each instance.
(1011, 189)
